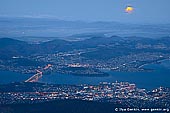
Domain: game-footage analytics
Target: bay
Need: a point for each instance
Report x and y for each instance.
(148, 80)
(9, 76)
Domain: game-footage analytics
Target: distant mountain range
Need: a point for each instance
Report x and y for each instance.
(44, 29)
(10, 47)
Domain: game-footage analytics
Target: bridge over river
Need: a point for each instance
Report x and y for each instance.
(38, 75)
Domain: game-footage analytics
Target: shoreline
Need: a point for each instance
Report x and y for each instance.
(153, 62)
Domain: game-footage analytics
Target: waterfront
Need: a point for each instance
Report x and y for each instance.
(148, 80)
(120, 94)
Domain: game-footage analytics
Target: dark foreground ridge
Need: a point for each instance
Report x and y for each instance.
(60, 106)
(72, 106)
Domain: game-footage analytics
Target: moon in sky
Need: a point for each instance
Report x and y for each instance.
(129, 9)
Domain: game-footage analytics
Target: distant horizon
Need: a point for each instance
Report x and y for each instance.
(74, 20)
(145, 11)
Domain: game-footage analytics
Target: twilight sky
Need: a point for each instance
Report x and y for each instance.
(145, 11)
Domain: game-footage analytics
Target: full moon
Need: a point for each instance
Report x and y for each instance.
(129, 9)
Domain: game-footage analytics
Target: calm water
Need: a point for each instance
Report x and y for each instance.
(149, 80)
(8, 77)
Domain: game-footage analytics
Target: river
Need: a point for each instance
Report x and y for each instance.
(149, 80)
